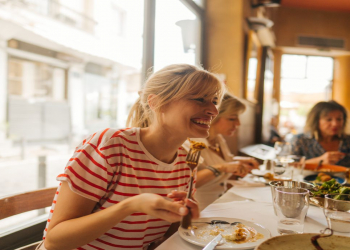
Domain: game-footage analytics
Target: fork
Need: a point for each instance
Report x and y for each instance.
(192, 161)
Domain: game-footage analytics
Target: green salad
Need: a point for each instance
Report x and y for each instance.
(330, 187)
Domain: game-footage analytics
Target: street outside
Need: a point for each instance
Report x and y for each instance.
(19, 176)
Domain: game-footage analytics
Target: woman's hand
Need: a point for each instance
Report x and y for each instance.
(159, 207)
(332, 157)
(180, 198)
(237, 168)
(247, 160)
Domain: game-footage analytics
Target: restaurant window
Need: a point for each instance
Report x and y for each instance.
(305, 80)
(31, 79)
(177, 34)
(51, 109)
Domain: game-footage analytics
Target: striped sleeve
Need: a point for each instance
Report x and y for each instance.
(87, 171)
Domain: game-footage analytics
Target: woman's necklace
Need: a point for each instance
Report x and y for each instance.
(216, 148)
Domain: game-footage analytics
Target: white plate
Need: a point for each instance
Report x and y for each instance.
(303, 241)
(193, 237)
(259, 172)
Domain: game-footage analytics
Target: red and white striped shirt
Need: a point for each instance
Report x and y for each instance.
(113, 165)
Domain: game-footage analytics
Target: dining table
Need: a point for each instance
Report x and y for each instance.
(250, 201)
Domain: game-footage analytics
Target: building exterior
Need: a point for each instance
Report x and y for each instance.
(61, 70)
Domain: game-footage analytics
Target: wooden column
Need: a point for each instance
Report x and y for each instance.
(341, 83)
(224, 47)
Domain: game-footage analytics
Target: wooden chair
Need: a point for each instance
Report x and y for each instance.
(20, 203)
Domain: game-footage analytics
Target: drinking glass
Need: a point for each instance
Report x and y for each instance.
(282, 151)
(291, 205)
(298, 165)
(287, 184)
(337, 211)
(282, 171)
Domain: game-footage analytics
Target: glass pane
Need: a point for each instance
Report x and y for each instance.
(177, 34)
(70, 88)
(319, 67)
(293, 66)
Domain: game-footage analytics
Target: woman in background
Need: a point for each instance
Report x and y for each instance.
(218, 163)
(324, 138)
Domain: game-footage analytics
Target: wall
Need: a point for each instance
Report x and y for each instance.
(291, 22)
(225, 45)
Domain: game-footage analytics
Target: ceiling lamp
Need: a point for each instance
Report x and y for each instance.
(265, 3)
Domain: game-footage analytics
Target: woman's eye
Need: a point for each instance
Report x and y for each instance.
(199, 99)
(215, 103)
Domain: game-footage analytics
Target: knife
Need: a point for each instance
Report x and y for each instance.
(212, 244)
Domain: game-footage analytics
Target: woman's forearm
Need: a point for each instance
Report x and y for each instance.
(315, 160)
(203, 176)
(80, 231)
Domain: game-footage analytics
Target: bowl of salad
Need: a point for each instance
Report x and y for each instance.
(318, 193)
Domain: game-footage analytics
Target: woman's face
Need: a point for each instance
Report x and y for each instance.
(227, 125)
(189, 117)
(331, 124)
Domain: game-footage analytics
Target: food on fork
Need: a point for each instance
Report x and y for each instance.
(197, 146)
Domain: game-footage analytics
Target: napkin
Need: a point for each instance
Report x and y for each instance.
(246, 182)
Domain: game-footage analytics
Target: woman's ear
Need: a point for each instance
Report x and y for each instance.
(152, 101)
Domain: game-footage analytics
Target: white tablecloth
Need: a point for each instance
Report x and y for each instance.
(253, 204)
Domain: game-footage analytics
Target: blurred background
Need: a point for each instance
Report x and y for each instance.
(69, 68)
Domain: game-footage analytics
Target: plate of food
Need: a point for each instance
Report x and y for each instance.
(320, 178)
(327, 187)
(236, 233)
(303, 241)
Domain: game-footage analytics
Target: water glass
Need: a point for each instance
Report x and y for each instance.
(287, 184)
(291, 205)
(282, 151)
(298, 166)
(282, 170)
(337, 212)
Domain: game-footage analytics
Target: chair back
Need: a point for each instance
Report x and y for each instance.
(25, 237)
(25, 202)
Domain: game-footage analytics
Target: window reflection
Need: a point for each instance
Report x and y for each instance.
(177, 34)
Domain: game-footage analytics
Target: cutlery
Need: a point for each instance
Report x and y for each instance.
(212, 244)
(192, 161)
(213, 222)
(319, 165)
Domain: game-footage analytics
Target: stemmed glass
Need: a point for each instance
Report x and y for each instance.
(283, 151)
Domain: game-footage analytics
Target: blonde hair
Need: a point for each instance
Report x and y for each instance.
(229, 105)
(320, 110)
(173, 83)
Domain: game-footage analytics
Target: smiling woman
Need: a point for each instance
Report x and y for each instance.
(112, 191)
(218, 163)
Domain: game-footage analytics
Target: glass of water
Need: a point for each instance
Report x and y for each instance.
(337, 212)
(282, 151)
(291, 206)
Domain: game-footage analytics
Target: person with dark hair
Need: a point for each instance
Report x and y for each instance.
(324, 138)
(274, 134)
